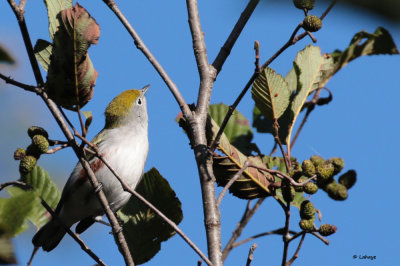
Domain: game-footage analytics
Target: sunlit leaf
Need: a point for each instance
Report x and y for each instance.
(271, 94)
(307, 66)
(43, 50)
(143, 229)
(14, 211)
(54, 7)
(44, 188)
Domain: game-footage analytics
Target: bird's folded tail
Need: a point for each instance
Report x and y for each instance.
(49, 236)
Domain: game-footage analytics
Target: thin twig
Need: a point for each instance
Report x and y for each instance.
(99, 220)
(328, 9)
(18, 84)
(296, 254)
(231, 40)
(231, 181)
(247, 215)
(286, 235)
(19, 184)
(56, 149)
(283, 176)
(146, 52)
(273, 232)
(323, 239)
(251, 253)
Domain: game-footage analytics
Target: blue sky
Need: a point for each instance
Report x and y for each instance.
(360, 125)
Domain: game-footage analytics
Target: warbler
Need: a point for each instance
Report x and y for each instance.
(123, 142)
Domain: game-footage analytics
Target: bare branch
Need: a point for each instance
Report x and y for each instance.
(283, 176)
(146, 52)
(323, 239)
(296, 254)
(237, 29)
(247, 215)
(286, 235)
(231, 181)
(207, 72)
(19, 84)
(251, 252)
(56, 149)
(273, 232)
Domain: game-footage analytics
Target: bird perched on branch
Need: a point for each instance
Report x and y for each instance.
(124, 144)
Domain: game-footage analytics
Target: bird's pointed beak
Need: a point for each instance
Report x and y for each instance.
(145, 88)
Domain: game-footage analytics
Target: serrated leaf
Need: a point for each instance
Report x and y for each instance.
(54, 7)
(14, 211)
(271, 94)
(5, 56)
(71, 76)
(363, 43)
(237, 130)
(144, 230)
(43, 50)
(307, 66)
(44, 188)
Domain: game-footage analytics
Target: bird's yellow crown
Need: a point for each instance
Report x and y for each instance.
(120, 107)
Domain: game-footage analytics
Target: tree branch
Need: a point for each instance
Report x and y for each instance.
(247, 215)
(273, 232)
(146, 52)
(19, 84)
(237, 29)
(296, 254)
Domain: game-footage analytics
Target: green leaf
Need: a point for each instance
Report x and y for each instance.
(43, 50)
(271, 94)
(143, 229)
(5, 56)
(237, 130)
(54, 7)
(7, 255)
(44, 188)
(14, 211)
(71, 76)
(363, 43)
(307, 66)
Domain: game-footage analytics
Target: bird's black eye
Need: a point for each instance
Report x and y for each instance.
(139, 101)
